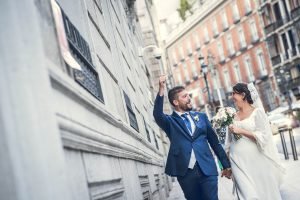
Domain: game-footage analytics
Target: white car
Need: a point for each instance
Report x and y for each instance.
(278, 121)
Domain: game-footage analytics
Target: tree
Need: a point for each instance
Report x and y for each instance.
(184, 7)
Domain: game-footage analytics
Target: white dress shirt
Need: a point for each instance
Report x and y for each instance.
(193, 158)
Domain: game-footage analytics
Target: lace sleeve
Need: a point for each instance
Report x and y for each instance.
(262, 130)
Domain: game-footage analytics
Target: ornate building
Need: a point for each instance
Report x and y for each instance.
(228, 34)
(76, 118)
(281, 22)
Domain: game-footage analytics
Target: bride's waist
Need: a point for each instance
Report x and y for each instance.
(243, 144)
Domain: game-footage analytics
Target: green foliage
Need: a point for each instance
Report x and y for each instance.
(184, 7)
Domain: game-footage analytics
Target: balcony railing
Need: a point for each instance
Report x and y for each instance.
(206, 40)
(295, 82)
(254, 39)
(248, 10)
(198, 46)
(231, 53)
(216, 33)
(236, 18)
(225, 27)
(292, 52)
(187, 81)
(276, 60)
(284, 56)
(282, 21)
(263, 73)
(270, 28)
(190, 52)
(295, 13)
(195, 76)
(222, 59)
(243, 46)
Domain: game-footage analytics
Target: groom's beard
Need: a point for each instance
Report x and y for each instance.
(186, 107)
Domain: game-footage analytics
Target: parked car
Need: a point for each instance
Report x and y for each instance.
(279, 120)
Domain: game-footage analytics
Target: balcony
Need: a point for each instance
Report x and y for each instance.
(270, 28)
(276, 60)
(216, 33)
(284, 56)
(198, 46)
(231, 53)
(195, 76)
(182, 58)
(190, 52)
(295, 13)
(295, 82)
(248, 10)
(263, 74)
(236, 18)
(281, 22)
(254, 39)
(206, 40)
(243, 46)
(225, 27)
(292, 52)
(187, 81)
(222, 59)
(175, 64)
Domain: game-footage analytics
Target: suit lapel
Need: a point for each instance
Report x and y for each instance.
(182, 125)
(199, 124)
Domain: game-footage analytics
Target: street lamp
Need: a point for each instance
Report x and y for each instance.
(204, 70)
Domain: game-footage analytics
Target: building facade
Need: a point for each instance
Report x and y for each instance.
(76, 117)
(281, 22)
(229, 35)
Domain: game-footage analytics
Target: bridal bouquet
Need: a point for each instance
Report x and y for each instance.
(224, 118)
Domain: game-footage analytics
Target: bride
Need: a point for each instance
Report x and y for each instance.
(256, 169)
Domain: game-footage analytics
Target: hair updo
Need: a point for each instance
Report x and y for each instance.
(241, 88)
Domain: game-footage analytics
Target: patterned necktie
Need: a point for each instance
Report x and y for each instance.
(187, 122)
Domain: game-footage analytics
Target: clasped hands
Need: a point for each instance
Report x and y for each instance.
(227, 173)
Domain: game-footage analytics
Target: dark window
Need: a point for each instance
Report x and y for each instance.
(155, 140)
(147, 130)
(131, 114)
(80, 50)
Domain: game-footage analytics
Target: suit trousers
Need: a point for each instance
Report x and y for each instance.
(197, 186)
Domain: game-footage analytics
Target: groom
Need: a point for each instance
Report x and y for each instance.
(190, 158)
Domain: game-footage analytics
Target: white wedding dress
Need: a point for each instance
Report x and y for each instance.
(255, 165)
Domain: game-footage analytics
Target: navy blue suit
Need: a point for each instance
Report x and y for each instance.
(181, 145)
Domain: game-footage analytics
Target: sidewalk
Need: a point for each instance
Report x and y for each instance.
(225, 188)
(290, 189)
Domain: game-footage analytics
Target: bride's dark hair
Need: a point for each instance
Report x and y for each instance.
(241, 88)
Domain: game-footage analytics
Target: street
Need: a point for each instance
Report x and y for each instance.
(290, 189)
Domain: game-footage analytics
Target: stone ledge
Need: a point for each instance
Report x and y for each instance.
(78, 137)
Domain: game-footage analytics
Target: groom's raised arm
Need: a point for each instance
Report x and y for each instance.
(160, 118)
(216, 146)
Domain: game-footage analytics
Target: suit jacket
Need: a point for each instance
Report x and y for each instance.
(182, 142)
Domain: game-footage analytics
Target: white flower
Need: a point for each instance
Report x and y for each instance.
(196, 118)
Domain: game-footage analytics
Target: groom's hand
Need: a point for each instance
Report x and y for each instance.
(162, 84)
(227, 173)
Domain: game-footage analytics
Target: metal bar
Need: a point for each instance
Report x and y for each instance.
(293, 144)
(285, 152)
